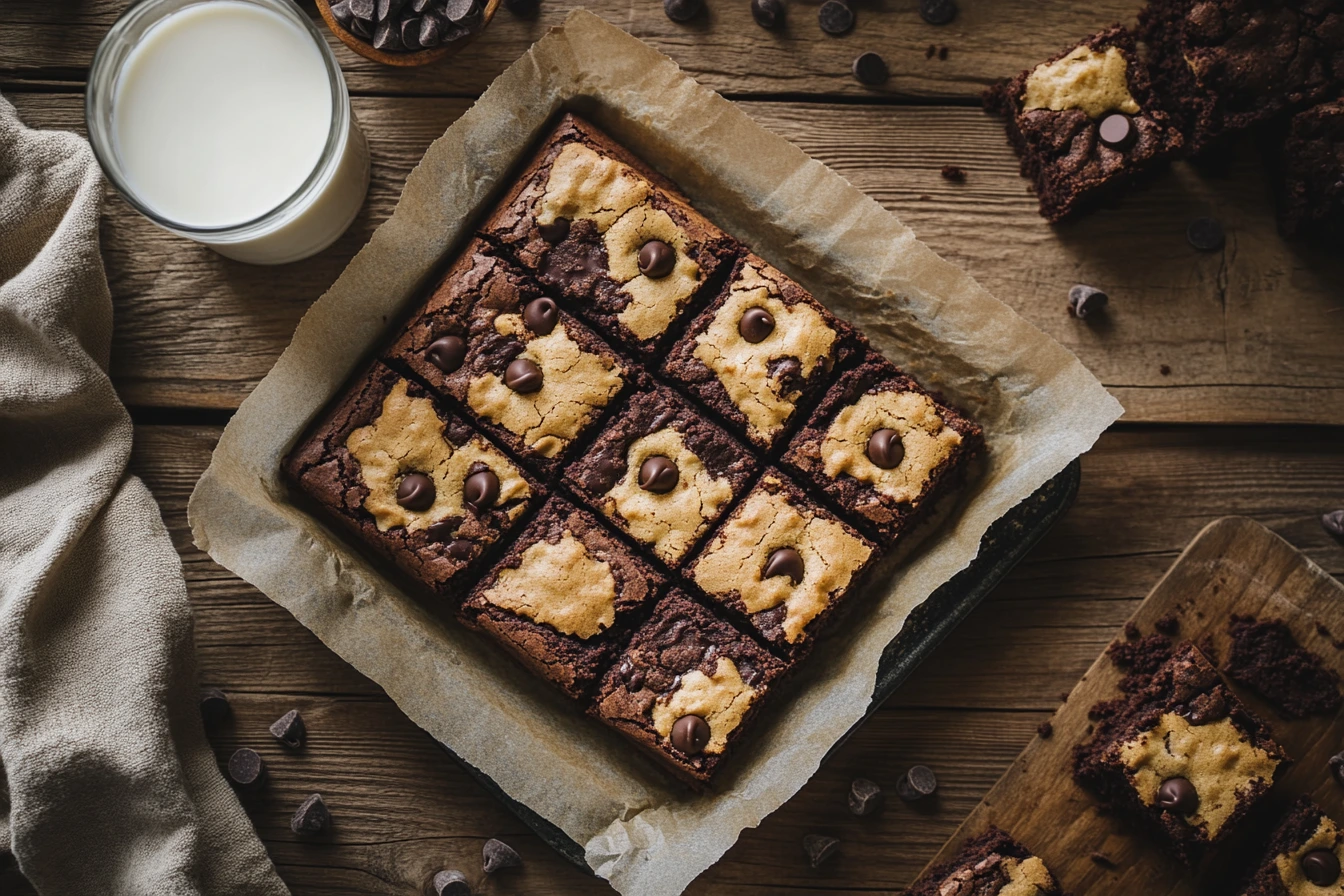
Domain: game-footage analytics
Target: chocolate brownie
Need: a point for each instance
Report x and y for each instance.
(1266, 658)
(687, 688)
(1223, 66)
(409, 479)
(1183, 757)
(531, 375)
(663, 473)
(783, 562)
(1303, 856)
(761, 352)
(993, 864)
(1307, 162)
(612, 237)
(883, 448)
(1085, 123)
(562, 595)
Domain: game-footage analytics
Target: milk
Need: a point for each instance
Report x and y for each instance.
(221, 114)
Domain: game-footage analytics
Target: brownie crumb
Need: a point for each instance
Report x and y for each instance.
(1165, 370)
(1045, 730)
(942, 53)
(1063, 696)
(1326, 633)
(1132, 631)
(1140, 657)
(1168, 624)
(954, 173)
(1266, 658)
(930, 52)
(1103, 860)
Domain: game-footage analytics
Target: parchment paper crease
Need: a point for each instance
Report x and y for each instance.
(1039, 406)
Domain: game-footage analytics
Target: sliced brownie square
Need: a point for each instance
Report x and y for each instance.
(993, 864)
(1303, 855)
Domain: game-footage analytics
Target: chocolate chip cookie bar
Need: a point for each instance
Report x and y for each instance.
(530, 374)
(783, 562)
(610, 236)
(1182, 756)
(1308, 171)
(1086, 123)
(761, 353)
(411, 480)
(993, 864)
(883, 448)
(1303, 857)
(687, 688)
(662, 473)
(562, 596)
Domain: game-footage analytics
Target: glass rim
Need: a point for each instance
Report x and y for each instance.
(101, 88)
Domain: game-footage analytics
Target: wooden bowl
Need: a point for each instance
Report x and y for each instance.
(419, 57)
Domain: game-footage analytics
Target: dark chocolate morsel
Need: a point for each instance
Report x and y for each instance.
(387, 37)
(385, 9)
(480, 491)
(311, 817)
(419, 6)
(1177, 795)
(443, 530)
(289, 729)
(497, 855)
(431, 31)
(416, 492)
(363, 9)
(447, 353)
(522, 8)
(555, 232)
(768, 14)
(523, 376)
(457, 10)
(1333, 523)
(756, 324)
(682, 10)
(215, 709)
(784, 562)
(690, 734)
(1205, 234)
(870, 69)
(451, 883)
(342, 14)
(541, 315)
(410, 32)
(886, 449)
(1117, 131)
(835, 17)
(917, 783)
(1086, 300)
(461, 549)
(865, 797)
(246, 768)
(656, 259)
(819, 848)
(658, 474)
(1321, 867)
(937, 12)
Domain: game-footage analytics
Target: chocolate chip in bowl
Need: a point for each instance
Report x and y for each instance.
(407, 33)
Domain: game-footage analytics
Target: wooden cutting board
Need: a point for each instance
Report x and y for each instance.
(1234, 566)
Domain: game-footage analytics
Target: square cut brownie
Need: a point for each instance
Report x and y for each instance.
(1182, 756)
(993, 864)
(611, 236)
(562, 594)
(761, 352)
(412, 481)
(783, 562)
(532, 376)
(687, 688)
(1308, 169)
(662, 473)
(883, 448)
(1303, 856)
(1085, 123)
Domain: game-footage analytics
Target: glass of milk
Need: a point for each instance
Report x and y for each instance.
(228, 122)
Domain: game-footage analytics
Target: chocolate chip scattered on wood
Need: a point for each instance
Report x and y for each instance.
(819, 848)
(215, 709)
(931, 52)
(865, 797)
(1086, 300)
(835, 17)
(954, 173)
(497, 855)
(1336, 765)
(769, 14)
(870, 69)
(916, 784)
(938, 12)
(451, 883)
(1103, 860)
(1205, 234)
(942, 54)
(246, 768)
(290, 730)
(682, 10)
(1333, 523)
(312, 816)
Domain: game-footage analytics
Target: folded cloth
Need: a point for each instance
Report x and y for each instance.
(112, 785)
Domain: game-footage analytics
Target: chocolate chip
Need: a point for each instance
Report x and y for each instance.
(289, 729)
(431, 31)
(756, 324)
(457, 10)
(447, 353)
(1117, 131)
(886, 449)
(682, 10)
(1321, 867)
(410, 33)
(497, 855)
(1205, 234)
(937, 12)
(656, 259)
(215, 709)
(1177, 795)
(954, 173)
(451, 883)
(419, 6)
(363, 9)
(387, 37)
(1333, 523)
(788, 371)
(865, 797)
(541, 316)
(690, 734)
(461, 549)
(416, 492)
(523, 376)
(1085, 300)
(522, 8)
(835, 17)
(1100, 858)
(342, 14)
(444, 529)
(555, 232)
(870, 69)
(387, 8)
(658, 474)
(1336, 765)
(768, 13)
(784, 562)
(480, 491)
(819, 848)
(311, 817)
(917, 783)
(246, 768)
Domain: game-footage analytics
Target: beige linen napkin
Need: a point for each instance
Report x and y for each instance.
(112, 786)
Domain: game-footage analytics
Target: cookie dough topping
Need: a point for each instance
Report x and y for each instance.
(1315, 864)
(857, 443)
(721, 700)
(1085, 79)
(560, 585)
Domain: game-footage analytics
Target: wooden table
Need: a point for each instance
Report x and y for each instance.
(1229, 364)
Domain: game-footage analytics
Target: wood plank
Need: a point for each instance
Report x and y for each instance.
(1247, 335)
(1234, 567)
(724, 49)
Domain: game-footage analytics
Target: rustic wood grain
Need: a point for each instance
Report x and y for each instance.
(1250, 334)
(1234, 567)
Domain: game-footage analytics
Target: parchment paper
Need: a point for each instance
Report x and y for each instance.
(1039, 406)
